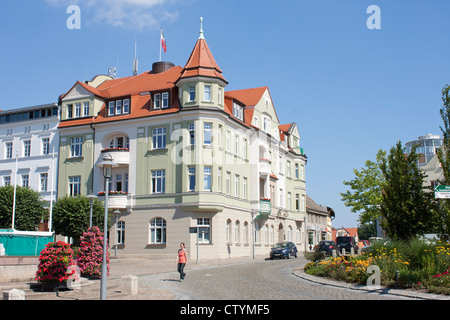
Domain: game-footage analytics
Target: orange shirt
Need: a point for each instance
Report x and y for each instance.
(182, 256)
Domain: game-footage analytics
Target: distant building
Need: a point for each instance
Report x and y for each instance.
(345, 232)
(31, 135)
(428, 160)
(318, 223)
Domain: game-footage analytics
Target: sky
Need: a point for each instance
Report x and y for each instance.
(351, 89)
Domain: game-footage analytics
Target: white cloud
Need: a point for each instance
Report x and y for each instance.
(130, 14)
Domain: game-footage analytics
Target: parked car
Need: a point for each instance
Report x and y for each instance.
(327, 246)
(363, 243)
(283, 250)
(346, 243)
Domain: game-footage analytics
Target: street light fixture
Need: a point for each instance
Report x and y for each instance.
(91, 198)
(107, 165)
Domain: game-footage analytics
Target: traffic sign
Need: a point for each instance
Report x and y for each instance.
(442, 192)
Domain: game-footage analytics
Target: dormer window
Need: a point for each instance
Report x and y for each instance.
(161, 100)
(118, 107)
(238, 111)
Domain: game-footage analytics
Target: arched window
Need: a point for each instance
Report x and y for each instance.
(228, 231)
(158, 231)
(246, 232)
(237, 232)
(289, 233)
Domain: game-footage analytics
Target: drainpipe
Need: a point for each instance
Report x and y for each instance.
(93, 153)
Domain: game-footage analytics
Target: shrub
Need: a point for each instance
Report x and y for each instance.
(90, 253)
(54, 261)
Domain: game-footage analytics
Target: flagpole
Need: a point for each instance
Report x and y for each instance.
(160, 45)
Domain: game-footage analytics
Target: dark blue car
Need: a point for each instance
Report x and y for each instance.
(283, 250)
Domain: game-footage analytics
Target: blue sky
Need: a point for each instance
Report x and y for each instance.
(350, 89)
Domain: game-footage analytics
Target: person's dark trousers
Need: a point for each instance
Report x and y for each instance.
(181, 270)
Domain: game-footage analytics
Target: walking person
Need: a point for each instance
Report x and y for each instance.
(181, 260)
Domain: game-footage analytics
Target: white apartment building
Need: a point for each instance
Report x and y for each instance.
(28, 138)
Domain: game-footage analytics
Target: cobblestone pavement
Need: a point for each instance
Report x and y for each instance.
(225, 279)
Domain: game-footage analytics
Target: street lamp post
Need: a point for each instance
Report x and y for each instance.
(91, 198)
(107, 165)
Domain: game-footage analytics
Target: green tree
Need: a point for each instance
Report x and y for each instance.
(443, 214)
(367, 230)
(364, 196)
(71, 215)
(30, 208)
(406, 205)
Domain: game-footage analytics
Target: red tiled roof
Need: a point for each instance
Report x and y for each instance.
(201, 63)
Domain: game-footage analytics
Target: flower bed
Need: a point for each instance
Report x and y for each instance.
(411, 264)
(114, 149)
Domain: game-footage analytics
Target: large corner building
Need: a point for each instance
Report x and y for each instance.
(191, 156)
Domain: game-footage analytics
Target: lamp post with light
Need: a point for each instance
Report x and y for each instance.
(107, 165)
(91, 198)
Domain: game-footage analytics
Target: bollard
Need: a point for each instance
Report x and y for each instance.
(343, 252)
(352, 251)
(333, 253)
(14, 294)
(129, 284)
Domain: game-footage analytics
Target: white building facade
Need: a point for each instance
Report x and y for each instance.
(28, 148)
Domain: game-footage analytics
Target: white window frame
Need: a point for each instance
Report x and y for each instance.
(204, 223)
(111, 108)
(76, 147)
(78, 110)
(158, 225)
(157, 101)
(164, 100)
(26, 148)
(126, 106)
(207, 93)
(74, 185)
(207, 178)
(156, 134)
(191, 129)
(191, 178)
(8, 150)
(191, 93)
(207, 133)
(86, 107)
(43, 182)
(158, 181)
(45, 146)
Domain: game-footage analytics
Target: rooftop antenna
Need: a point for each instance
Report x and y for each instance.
(135, 61)
(112, 72)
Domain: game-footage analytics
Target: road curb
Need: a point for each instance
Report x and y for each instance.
(300, 273)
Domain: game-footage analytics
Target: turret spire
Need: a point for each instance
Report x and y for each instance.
(201, 29)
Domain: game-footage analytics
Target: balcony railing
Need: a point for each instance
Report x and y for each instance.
(265, 167)
(265, 207)
(116, 199)
(121, 156)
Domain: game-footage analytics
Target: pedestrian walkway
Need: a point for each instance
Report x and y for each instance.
(136, 266)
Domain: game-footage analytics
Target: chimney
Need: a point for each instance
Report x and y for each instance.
(161, 66)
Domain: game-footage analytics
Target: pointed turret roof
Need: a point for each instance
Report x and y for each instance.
(201, 62)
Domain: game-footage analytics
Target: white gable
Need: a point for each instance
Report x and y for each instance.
(77, 92)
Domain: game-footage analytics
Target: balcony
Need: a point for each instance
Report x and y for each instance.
(265, 167)
(265, 208)
(116, 199)
(121, 156)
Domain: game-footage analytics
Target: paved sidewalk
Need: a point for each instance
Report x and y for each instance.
(90, 289)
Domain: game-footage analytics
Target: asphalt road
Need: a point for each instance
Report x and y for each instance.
(257, 280)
